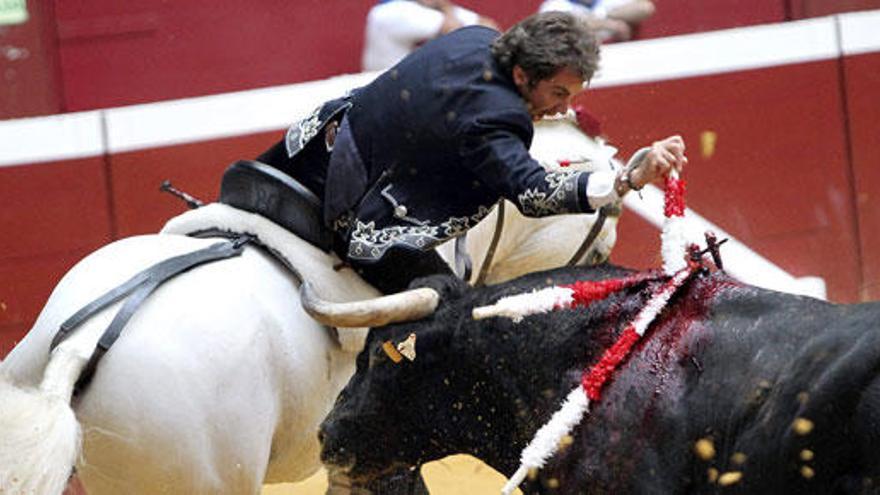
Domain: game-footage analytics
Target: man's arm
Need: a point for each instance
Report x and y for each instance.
(451, 18)
(615, 23)
(647, 165)
(456, 16)
(632, 12)
(493, 148)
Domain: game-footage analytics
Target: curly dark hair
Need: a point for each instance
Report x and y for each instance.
(545, 43)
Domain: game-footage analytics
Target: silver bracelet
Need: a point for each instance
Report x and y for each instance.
(628, 181)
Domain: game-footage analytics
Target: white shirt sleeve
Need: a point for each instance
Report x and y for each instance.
(394, 29)
(600, 187)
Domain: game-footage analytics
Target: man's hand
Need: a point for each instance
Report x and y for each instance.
(664, 156)
(614, 30)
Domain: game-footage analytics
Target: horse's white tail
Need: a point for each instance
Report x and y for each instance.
(39, 434)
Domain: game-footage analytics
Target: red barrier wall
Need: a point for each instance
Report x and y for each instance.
(52, 215)
(862, 86)
(674, 17)
(88, 54)
(118, 53)
(778, 179)
(29, 65)
(195, 168)
(801, 9)
(112, 53)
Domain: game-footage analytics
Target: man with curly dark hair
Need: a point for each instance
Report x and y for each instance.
(422, 153)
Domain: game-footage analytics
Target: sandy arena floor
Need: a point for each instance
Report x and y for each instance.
(454, 475)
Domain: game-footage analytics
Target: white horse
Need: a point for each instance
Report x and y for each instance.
(220, 379)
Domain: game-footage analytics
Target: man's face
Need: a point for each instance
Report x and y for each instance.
(549, 96)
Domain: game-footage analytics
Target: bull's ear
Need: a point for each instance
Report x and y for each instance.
(397, 351)
(407, 347)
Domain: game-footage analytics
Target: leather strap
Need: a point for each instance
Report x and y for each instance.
(93, 307)
(490, 253)
(138, 288)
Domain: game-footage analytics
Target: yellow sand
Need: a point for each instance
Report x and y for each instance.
(454, 475)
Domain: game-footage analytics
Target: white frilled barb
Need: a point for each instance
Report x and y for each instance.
(673, 238)
(674, 244)
(547, 439)
(530, 303)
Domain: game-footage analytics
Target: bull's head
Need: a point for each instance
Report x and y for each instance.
(387, 413)
(476, 387)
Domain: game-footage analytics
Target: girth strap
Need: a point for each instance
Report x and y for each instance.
(138, 288)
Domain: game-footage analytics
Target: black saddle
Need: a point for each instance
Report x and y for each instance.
(259, 188)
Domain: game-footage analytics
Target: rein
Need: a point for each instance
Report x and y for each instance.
(591, 236)
(490, 254)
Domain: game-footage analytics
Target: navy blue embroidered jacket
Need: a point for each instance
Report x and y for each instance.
(426, 149)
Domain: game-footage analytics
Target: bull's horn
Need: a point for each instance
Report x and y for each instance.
(403, 306)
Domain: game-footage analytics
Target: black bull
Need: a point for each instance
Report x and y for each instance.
(782, 388)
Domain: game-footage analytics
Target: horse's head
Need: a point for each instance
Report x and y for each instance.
(560, 144)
